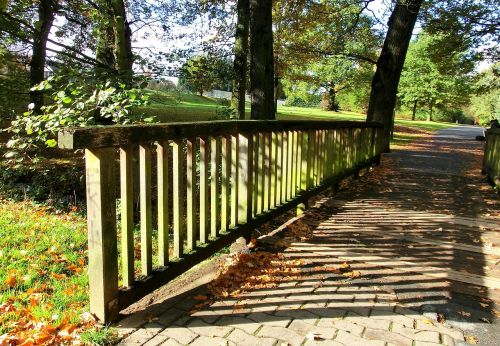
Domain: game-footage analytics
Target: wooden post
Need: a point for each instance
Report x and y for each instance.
(146, 215)
(235, 161)
(214, 186)
(225, 183)
(101, 221)
(127, 216)
(204, 162)
(178, 197)
(191, 195)
(163, 205)
(279, 168)
(244, 178)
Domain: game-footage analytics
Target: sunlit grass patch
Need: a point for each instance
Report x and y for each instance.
(43, 274)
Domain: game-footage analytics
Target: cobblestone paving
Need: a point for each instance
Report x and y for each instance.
(425, 277)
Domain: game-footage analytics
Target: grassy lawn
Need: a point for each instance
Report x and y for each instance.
(44, 285)
(43, 281)
(168, 107)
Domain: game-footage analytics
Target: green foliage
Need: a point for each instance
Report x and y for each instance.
(14, 84)
(77, 99)
(485, 104)
(204, 73)
(434, 81)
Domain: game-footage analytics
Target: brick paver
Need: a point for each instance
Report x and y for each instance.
(403, 250)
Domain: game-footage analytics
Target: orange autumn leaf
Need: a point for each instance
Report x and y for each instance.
(58, 276)
(11, 280)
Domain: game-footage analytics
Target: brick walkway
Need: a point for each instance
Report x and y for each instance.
(424, 238)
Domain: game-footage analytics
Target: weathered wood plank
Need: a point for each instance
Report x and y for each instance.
(214, 186)
(145, 208)
(178, 197)
(267, 171)
(244, 178)
(235, 163)
(101, 221)
(163, 202)
(123, 135)
(260, 174)
(255, 174)
(279, 167)
(284, 156)
(204, 212)
(225, 183)
(127, 216)
(191, 195)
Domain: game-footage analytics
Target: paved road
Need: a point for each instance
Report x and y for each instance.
(420, 232)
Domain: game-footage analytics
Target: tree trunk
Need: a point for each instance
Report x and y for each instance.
(277, 92)
(241, 59)
(332, 99)
(414, 110)
(46, 9)
(390, 64)
(114, 44)
(123, 41)
(262, 60)
(429, 117)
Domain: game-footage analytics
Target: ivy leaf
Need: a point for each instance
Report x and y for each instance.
(51, 143)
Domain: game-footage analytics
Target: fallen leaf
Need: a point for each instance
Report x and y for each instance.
(471, 339)
(427, 321)
(464, 313)
(313, 336)
(441, 318)
(484, 319)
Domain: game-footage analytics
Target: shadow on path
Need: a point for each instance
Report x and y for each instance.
(422, 235)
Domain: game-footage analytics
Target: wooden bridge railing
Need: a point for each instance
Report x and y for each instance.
(200, 186)
(491, 161)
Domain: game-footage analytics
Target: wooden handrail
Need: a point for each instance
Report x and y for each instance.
(120, 135)
(201, 186)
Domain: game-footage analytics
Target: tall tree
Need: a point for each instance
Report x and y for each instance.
(430, 79)
(390, 64)
(46, 15)
(241, 58)
(262, 59)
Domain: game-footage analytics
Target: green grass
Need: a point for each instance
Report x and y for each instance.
(43, 268)
(178, 107)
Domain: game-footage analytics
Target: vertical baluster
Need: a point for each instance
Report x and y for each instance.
(244, 179)
(163, 205)
(214, 186)
(284, 173)
(303, 160)
(235, 163)
(204, 162)
(317, 154)
(225, 183)
(191, 195)
(298, 160)
(311, 140)
(145, 202)
(289, 178)
(279, 167)
(178, 197)
(127, 216)
(267, 172)
(293, 161)
(274, 169)
(261, 174)
(255, 174)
